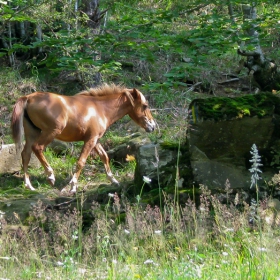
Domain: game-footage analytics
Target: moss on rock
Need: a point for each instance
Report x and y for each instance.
(222, 108)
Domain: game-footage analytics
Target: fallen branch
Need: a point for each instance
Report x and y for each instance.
(229, 81)
(245, 53)
(194, 86)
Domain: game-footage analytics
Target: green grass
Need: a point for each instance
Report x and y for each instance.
(175, 243)
(126, 240)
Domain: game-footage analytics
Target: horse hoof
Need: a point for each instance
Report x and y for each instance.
(65, 190)
(114, 181)
(51, 182)
(29, 187)
(51, 179)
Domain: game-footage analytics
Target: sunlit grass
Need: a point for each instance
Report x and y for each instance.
(128, 239)
(191, 245)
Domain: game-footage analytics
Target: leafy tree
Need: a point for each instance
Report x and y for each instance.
(88, 39)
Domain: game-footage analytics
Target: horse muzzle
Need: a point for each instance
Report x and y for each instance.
(150, 126)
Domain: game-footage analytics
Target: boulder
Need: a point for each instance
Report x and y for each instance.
(59, 147)
(17, 210)
(222, 132)
(11, 159)
(159, 164)
(129, 146)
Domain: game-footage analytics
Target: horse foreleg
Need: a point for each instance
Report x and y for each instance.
(88, 146)
(105, 159)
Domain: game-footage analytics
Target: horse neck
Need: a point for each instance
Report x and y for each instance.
(118, 109)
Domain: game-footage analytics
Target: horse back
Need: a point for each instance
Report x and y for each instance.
(66, 115)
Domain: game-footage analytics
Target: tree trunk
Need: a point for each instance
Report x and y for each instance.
(91, 9)
(9, 44)
(263, 69)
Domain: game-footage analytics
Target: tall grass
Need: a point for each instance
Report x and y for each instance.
(132, 241)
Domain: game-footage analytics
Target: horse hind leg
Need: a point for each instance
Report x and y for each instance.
(38, 148)
(26, 155)
(31, 133)
(105, 159)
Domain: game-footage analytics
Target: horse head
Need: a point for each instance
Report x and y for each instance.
(140, 112)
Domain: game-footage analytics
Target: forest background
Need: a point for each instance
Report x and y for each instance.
(173, 51)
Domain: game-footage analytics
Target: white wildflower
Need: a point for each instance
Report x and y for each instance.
(255, 166)
(157, 231)
(82, 271)
(262, 249)
(229, 230)
(75, 236)
(127, 231)
(111, 195)
(147, 179)
(149, 261)
(225, 253)
(2, 214)
(5, 258)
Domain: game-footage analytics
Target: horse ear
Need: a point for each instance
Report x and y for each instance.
(135, 93)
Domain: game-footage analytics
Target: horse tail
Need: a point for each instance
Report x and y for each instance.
(17, 121)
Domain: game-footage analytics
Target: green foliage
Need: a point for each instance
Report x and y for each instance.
(134, 31)
(250, 105)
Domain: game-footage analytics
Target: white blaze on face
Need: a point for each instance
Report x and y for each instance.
(90, 113)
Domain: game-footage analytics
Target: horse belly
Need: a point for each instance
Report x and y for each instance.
(72, 136)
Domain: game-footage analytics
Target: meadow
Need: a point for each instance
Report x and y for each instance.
(129, 239)
(174, 59)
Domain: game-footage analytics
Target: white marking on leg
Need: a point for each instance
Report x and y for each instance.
(51, 178)
(112, 179)
(50, 175)
(74, 184)
(27, 182)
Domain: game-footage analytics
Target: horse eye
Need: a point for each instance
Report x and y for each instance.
(145, 106)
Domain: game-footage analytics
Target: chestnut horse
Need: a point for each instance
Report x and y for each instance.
(44, 116)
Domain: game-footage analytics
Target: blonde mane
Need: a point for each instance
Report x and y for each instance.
(103, 90)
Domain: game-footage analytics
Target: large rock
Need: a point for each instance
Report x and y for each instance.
(11, 159)
(59, 147)
(129, 146)
(17, 210)
(221, 135)
(162, 165)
